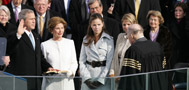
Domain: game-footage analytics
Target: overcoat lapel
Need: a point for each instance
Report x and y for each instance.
(93, 48)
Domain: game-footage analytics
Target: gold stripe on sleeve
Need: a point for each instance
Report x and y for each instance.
(128, 62)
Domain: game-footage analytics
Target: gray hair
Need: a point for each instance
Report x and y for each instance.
(6, 10)
(22, 14)
(134, 29)
(34, 1)
(93, 1)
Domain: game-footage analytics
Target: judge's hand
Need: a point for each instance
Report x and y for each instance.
(6, 60)
(117, 80)
(111, 75)
(21, 28)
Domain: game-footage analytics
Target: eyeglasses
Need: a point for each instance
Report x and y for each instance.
(41, 5)
(95, 8)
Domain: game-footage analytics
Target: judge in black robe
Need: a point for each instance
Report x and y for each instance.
(142, 56)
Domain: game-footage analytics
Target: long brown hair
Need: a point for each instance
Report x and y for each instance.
(90, 34)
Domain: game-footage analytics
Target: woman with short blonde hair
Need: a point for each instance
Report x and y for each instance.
(122, 45)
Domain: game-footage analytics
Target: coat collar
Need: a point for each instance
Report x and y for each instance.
(141, 39)
(104, 35)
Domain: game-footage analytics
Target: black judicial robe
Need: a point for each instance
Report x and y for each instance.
(143, 56)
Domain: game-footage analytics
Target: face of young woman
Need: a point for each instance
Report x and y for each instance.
(179, 13)
(154, 22)
(58, 31)
(125, 25)
(96, 26)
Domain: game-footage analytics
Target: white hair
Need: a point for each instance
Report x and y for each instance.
(6, 10)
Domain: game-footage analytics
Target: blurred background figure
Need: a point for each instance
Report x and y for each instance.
(28, 2)
(139, 8)
(15, 7)
(60, 53)
(179, 34)
(157, 32)
(96, 56)
(5, 2)
(122, 45)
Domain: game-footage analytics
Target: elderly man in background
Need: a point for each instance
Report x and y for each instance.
(43, 15)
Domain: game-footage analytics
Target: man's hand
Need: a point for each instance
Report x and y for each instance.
(51, 69)
(21, 28)
(110, 9)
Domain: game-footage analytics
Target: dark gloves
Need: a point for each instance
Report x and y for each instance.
(93, 84)
(97, 84)
(89, 84)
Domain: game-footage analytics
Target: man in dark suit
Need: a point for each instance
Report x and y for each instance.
(25, 54)
(42, 17)
(128, 6)
(78, 13)
(15, 7)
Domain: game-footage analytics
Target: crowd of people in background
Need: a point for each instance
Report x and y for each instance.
(94, 39)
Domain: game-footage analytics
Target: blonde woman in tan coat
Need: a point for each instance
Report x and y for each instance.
(122, 45)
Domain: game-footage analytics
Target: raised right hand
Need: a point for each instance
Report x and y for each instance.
(21, 28)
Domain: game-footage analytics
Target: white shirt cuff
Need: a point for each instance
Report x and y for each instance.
(18, 36)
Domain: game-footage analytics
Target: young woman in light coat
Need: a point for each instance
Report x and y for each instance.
(96, 56)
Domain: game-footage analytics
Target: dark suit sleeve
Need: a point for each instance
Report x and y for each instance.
(117, 10)
(44, 64)
(12, 42)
